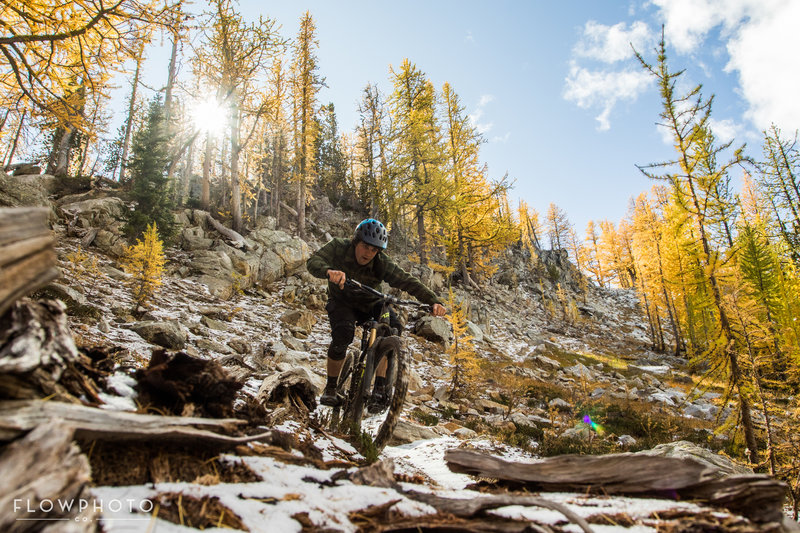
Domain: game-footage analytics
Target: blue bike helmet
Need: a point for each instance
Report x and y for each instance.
(372, 232)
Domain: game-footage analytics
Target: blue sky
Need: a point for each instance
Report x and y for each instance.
(553, 86)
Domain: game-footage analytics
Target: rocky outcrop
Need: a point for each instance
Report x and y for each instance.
(169, 333)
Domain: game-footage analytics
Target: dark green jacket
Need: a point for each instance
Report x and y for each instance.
(340, 254)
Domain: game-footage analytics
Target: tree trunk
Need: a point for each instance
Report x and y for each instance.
(423, 237)
(16, 137)
(205, 189)
(236, 198)
(126, 140)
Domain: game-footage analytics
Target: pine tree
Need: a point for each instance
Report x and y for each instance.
(331, 167)
(418, 158)
(148, 172)
(306, 83)
(144, 261)
(697, 180)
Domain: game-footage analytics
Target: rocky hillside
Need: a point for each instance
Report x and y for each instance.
(565, 368)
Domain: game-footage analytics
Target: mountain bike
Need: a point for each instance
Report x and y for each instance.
(357, 375)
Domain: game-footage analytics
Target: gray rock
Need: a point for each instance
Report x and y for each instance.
(299, 320)
(687, 450)
(442, 393)
(217, 287)
(293, 343)
(169, 333)
(110, 242)
(559, 404)
(19, 191)
(626, 441)
(271, 267)
(434, 329)
(193, 238)
(213, 324)
(465, 433)
(406, 433)
(74, 300)
(474, 331)
(239, 346)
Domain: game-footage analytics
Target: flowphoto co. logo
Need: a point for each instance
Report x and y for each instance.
(75, 509)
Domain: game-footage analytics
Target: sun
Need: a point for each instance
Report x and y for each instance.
(208, 115)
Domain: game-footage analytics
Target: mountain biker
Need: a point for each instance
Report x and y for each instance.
(363, 259)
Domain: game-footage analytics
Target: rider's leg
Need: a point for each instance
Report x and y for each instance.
(342, 319)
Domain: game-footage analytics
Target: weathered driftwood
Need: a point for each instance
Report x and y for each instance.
(293, 387)
(38, 356)
(27, 256)
(758, 497)
(44, 477)
(236, 240)
(381, 474)
(89, 423)
(469, 507)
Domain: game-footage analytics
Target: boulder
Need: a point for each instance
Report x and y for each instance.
(20, 191)
(193, 238)
(299, 319)
(686, 450)
(73, 299)
(169, 333)
(434, 329)
(110, 243)
(271, 267)
(474, 331)
(406, 432)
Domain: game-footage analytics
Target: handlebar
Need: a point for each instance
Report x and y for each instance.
(388, 298)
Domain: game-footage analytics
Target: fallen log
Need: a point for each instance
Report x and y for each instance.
(90, 423)
(757, 497)
(44, 482)
(27, 256)
(469, 507)
(235, 238)
(38, 356)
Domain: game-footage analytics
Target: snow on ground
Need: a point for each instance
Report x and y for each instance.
(268, 506)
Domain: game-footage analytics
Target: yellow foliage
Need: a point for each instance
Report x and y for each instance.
(82, 268)
(144, 261)
(462, 353)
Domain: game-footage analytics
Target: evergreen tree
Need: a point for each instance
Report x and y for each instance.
(418, 157)
(331, 166)
(148, 172)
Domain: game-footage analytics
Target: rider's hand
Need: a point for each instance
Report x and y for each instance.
(338, 277)
(439, 310)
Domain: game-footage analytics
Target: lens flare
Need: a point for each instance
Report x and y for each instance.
(597, 428)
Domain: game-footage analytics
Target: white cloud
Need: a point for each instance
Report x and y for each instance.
(501, 138)
(603, 89)
(476, 116)
(724, 130)
(761, 39)
(612, 43)
(764, 53)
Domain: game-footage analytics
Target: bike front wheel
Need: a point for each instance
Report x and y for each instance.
(380, 425)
